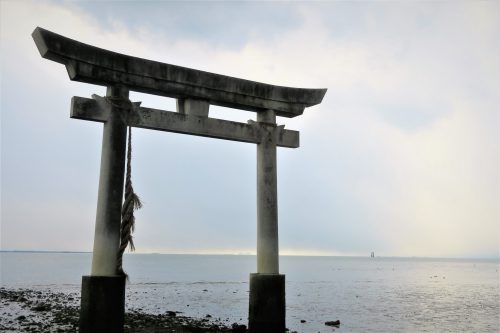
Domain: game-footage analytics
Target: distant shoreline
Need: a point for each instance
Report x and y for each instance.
(41, 251)
(253, 255)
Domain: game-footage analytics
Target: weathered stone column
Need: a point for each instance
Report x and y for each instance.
(267, 286)
(103, 292)
(267, 197)
(110, 195)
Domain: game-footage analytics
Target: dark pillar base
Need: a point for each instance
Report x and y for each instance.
(267, 303)
(103, 304)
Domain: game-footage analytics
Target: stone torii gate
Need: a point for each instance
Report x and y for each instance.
(103, 292)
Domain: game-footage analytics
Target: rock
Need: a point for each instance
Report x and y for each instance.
(333, 323)
(171, 313)
(21, 318)
(237, 328)
(41, 307)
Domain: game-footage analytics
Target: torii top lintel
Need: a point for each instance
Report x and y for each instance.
(90, 64)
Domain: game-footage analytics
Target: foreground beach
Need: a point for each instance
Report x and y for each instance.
(27, 310)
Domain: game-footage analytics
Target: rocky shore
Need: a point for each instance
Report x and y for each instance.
(26, 310)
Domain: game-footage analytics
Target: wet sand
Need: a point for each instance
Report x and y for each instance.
(26, 310)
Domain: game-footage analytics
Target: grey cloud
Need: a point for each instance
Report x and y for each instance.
(222, 24)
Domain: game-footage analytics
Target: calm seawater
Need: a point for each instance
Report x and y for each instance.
(365, 294)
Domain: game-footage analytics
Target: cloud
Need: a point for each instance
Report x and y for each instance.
(398, 159)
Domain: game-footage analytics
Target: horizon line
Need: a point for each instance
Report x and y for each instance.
(253, 254)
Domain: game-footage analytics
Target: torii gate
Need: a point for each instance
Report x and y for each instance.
(103, 292)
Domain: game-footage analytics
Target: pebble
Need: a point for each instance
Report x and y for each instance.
(333, 323)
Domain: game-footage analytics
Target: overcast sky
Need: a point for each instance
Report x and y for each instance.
(401, 158)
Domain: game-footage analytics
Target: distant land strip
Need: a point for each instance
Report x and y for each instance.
(41, 251)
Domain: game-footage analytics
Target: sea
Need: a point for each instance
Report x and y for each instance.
(378, 294)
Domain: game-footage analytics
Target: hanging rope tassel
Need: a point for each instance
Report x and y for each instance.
(130, 204)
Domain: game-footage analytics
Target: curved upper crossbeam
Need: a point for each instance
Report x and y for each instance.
(90, 64)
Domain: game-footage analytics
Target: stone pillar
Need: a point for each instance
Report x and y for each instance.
(102, 304)
(267, 197)
(267, 286)
(103, 292)
(266, 311)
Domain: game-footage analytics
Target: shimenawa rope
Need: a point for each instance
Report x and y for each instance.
(130, 204)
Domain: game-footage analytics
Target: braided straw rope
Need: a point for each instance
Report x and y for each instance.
(131, 203)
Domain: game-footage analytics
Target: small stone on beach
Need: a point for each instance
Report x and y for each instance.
(41, 307)
(333, 323)
(237, 328)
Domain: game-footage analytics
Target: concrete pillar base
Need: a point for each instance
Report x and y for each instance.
(267, 303)
(103, 304)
